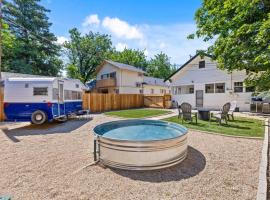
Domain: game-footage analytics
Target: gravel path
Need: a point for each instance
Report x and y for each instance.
(45, 164)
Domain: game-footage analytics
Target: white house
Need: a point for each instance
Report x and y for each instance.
(115, 77)
(200, 83)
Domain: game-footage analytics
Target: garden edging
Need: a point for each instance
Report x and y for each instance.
(262, 186)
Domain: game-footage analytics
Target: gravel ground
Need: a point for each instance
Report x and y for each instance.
(47, 163)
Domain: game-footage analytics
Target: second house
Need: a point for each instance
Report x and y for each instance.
(119, 78)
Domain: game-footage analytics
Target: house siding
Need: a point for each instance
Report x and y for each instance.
(192, 75)
(126, 81)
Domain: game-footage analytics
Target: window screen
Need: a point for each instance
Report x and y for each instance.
(40, 91)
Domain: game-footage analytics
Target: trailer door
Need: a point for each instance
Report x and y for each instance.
(61, 105)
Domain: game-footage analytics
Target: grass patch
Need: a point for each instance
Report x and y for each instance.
(137, 113)
(239, 127)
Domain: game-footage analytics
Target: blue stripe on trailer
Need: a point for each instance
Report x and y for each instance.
(23, 111)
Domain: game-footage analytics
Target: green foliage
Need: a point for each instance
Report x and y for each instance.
(8, 45)
(34, 48)
(137, 113)
(85, 53)
(160, 66)
(241, 30)
(133, 57)
(238, 127)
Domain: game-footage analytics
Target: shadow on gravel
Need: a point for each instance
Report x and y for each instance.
(191, 166)
(44, 129)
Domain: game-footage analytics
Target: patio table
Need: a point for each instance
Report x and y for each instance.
(204, 113)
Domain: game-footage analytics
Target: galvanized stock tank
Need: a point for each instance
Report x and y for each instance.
(140, 144)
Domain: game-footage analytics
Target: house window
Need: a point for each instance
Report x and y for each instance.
(178, 90)
(201, 64)
(220, 88)
(238, 87)
(191, 90)
(209, 88)
(104, 76)
(26, 85)
(138, 84)
(152, 91)
(141, 91)
(113, 75)
(40, 91)
(250, 89)
(77, 85)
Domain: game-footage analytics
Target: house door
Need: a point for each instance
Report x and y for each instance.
(61, 105)
(199, 98)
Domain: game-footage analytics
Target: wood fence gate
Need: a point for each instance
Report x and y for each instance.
(157, 101)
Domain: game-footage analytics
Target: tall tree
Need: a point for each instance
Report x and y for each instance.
(241, 33)
(8, 44)
(133, 57)
(85, 53)
(160, 66)
(36, 50)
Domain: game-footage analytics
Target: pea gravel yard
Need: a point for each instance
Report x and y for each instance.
(47, 162)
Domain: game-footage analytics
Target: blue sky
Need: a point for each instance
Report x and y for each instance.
(152, 26)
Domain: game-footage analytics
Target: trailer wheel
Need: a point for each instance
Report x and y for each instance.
(38, 117)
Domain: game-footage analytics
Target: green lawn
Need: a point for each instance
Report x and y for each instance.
(137, 113)
(238, 127)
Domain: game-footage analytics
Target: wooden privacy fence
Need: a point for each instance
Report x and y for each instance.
(105, 102)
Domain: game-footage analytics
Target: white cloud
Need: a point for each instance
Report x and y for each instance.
(121, 46)
(121, 28)
(61, 39)
(169, 38)
(90, 20)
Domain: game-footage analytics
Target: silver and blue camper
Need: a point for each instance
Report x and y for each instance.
(41, 99)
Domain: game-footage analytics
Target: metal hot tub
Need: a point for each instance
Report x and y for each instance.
(140, 144)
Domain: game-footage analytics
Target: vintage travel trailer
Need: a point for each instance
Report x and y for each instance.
(41, 99)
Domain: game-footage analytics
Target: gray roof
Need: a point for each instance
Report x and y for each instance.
(125, 66)
(154, 81)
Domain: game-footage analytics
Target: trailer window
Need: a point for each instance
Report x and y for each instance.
(40, 91)
(68, 95)
(74, 95)
(55, 93)
(79, 95)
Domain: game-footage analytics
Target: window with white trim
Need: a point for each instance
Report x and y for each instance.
(219, 87)
(209, 88)
(238, 87)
